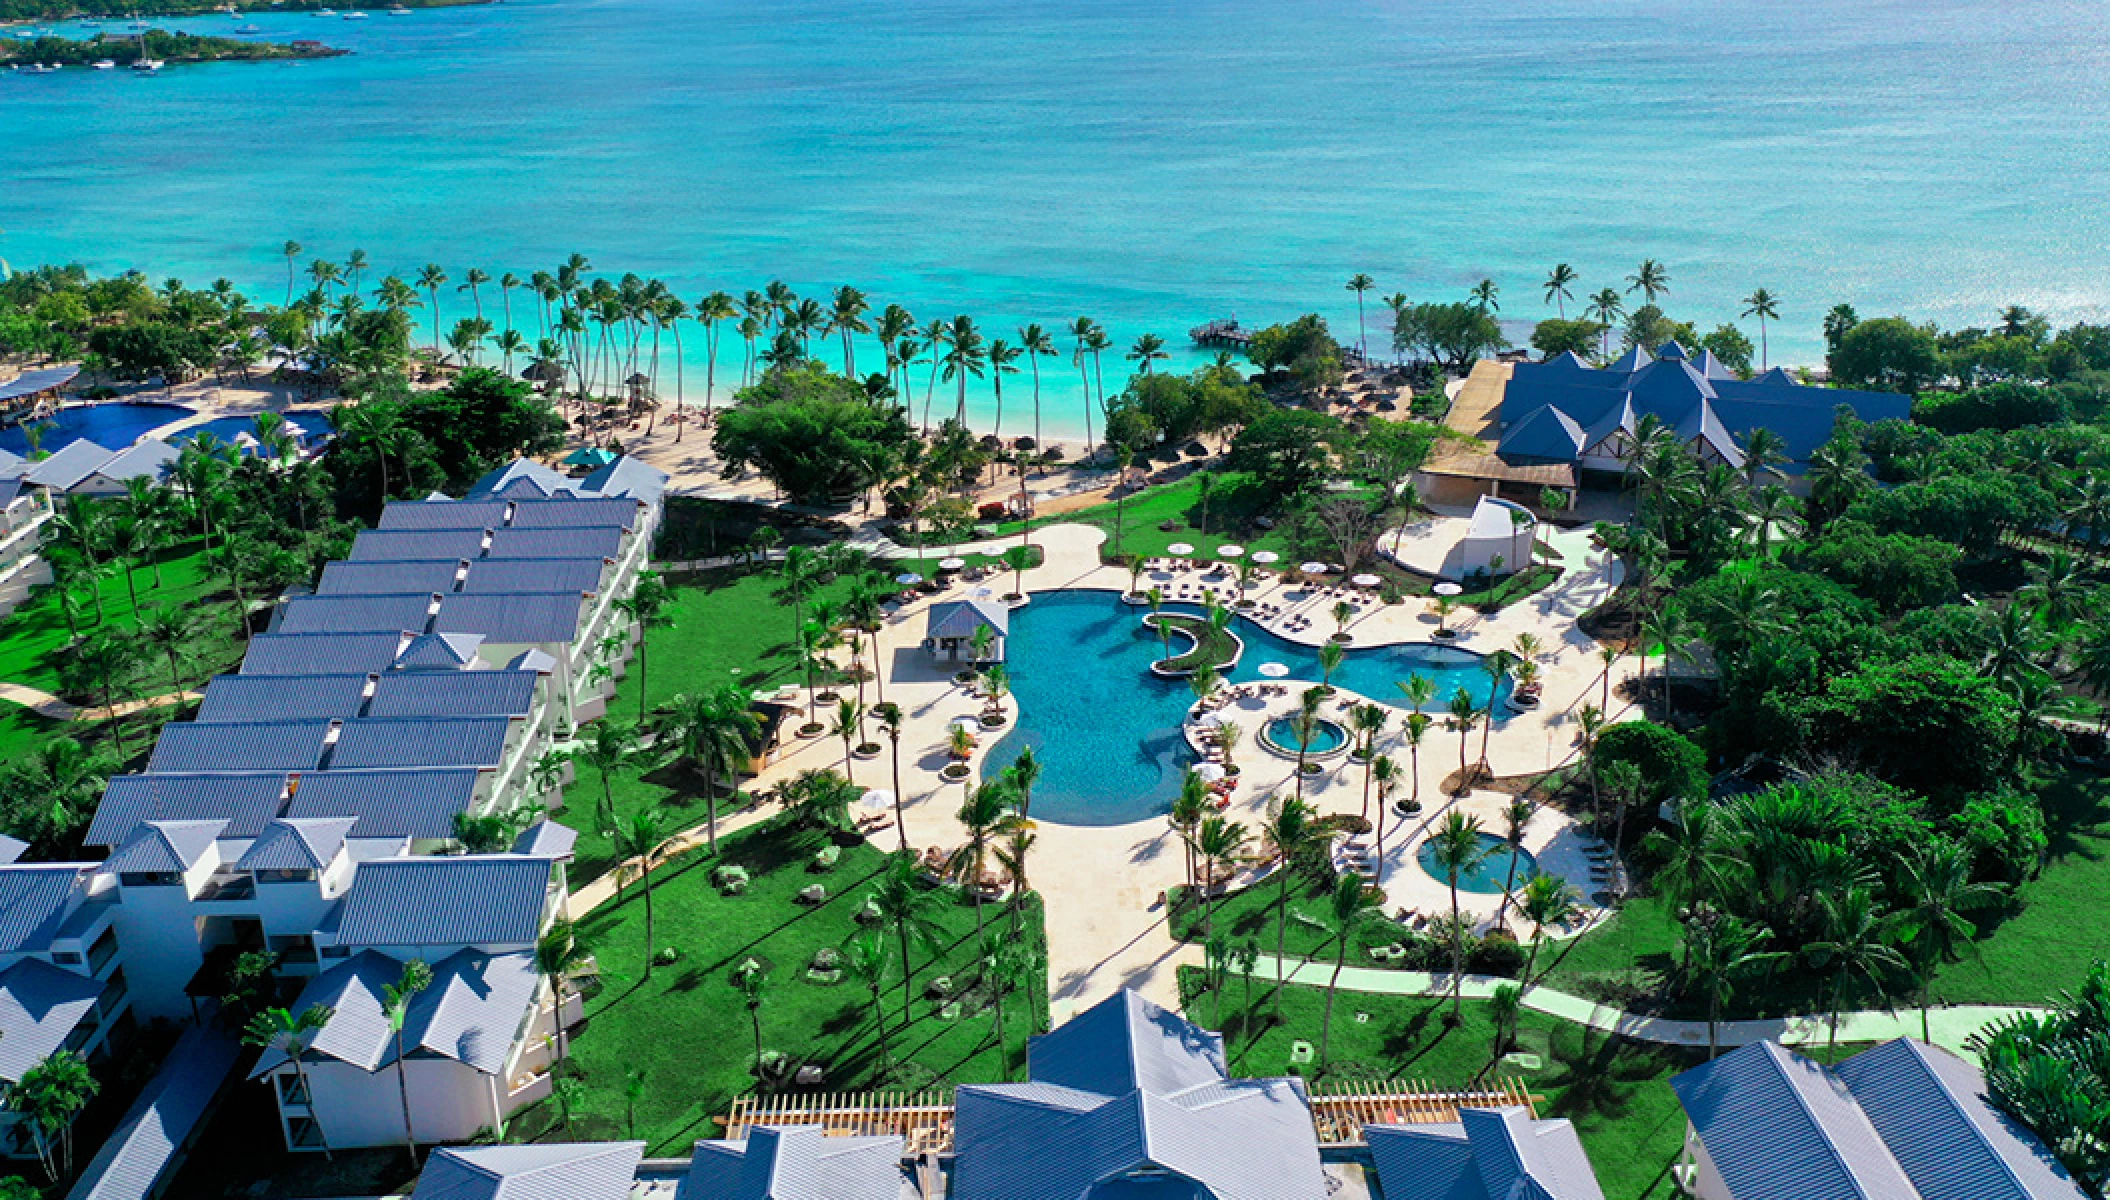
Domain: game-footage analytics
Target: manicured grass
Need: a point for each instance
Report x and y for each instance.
(33, 638)
(1140, 514)
(1617, 1092)
(1205, 647)
(687, 1026)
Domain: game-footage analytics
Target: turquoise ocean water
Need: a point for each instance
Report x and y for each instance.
(1150, 164)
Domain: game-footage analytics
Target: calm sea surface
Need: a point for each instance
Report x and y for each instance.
(1150, 164)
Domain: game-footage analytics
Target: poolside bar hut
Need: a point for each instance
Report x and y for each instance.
(951, 631)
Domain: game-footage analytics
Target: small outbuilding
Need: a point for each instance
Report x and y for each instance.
(954, 625)
(1497, 541)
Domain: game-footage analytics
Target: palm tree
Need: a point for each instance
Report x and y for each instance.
(1765, 452)
(612, 746)
(558, 954)
(1149, 348)
(1719, 951)
(1220, 842)
(1418, 689)
(965, 353)
(1465, 711)
(1766, 307)
(432, 279)
(642, 838)
(1020, 836)
(890, 719)
(1558, 281)
(983, 816)
(849, 726)
(1698, 857)
(1367, 721)
(1360, 283)
(1673, 636)
(1483, 296)
(847, 317)
(752, 982)
(170, 630)
(646, 606)
(1856, 943)
(1498, 667)
(1084, 329)
(474, 281)
(1385, 773)
(292, 251)
(1939, 892)
(1001, 355)
(1290, 832)
(1516, 818)
(396, 1001)
(714, 732)
(280, 1029)
(1348, 906)
(1456, 848)
(51, 1096)
(1035, 343)
(1606, 307)
(1548, 900)
(865, 960)
(907, 911)
(1650, 279)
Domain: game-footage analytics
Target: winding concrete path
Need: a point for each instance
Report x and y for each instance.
(1949, 1026)
(44, 704)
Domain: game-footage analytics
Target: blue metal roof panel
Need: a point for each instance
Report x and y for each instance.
(563, 1171)
(245, 800)
(165, 847)
(322, 653)
(476, 1003)
(795, 1162)
(536, 575)
(513, 618)
(281, 697)
(379, 578)
(1931, 1109)
(596, 541)
(545, 480)
(389, 804)
(413, 545)
(66, 467)
(627, 476)
(34, 898)
(438, 652)
(297, 844)
(564, 512)
(357, 614)
(40, 1005)
(160, 1122)
(1547, 433)
(1778, 1127)
(469, 900)
(1545, 1156)
(401, 515)
(1123, 1043)
(454, 694)
(421, 742)
(1434, 1161)
(240, 746)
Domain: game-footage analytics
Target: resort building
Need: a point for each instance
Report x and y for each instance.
(25, 511)
(800, 1160)
(1562, 422)
(62, 979)
(82, 468)
(588, 1171)
(1903, 1121)
(954, 625)
(1489, 1154)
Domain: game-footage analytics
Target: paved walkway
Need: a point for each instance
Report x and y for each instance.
(44, 704)
(1948, 1026)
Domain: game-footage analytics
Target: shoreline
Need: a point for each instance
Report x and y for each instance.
(204, 8)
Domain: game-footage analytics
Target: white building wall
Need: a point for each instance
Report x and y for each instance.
(158, 930)
(1705, 1180)
(449, 1102)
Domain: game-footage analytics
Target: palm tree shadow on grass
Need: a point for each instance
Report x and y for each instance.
(1598, 1072)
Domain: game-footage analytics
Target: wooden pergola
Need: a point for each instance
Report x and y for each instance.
(923, 1120)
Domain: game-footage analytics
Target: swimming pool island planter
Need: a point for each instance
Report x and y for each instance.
(1195, 630)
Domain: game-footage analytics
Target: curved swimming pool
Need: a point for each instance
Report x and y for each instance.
(111, 426)
(1108, 733)
(1487, 877)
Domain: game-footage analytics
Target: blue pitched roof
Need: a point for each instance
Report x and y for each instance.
(387, 613)
(545, 480)
(416, 803)
(164, 847)
(68, 465)
(512, 618)
(245, 800)
(454, 694)
(421, 742)
(1546, 433)
(593, 541)
(563, 1171)
(442, 514)
(34, 899)
(1779, 1127)
(240, 746)
(281, 697)
(159, 1124)
(795, 1162)
(321, 653)
(627, 476)
(568, 513)
(1931, 1109)
(535, 575)
(464, 900)
(439, 652)
(377, 578)
(413, 545)
(40, 1005)
(297, 844)
(472, 1009)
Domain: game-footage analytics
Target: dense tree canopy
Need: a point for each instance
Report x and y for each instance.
(1288, 450)
(815, 434)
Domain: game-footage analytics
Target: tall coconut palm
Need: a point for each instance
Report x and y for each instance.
(1548, 900)
(1938, 894)
(846, 317)
(865, 960)
(1360, 283)
(1465, 712)
(291, 251)
(1765, 453)
(1414, 730)
(1035, 343)
(1082, 329)
(1558, 282)
(1720, 950)
(1002, 355)
(712, 311)
(1606, 307)
(1348, 907)
(1385, 772)
(1290, 832)
(473, 282)
(1367, 721)
(907, 911)
(1484, 295)
(641, 840)
(1856, 943)
(891, 719)
(965, 355)
(610, 748)
(1516, 819)
(983, 816)
(432, 278)
(1456, 848)
(558, 955)
(1149, 348)
(397, 998)
(292, 1034)
(1651, 279)
(1220, 842)
(1766, 307)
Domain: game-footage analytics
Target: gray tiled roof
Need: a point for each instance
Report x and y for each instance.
(1779, 1127)
(442, 514)
(567, 513)
(466, 900)
(297, 844)
(598, 541)
(421, 742)
(960, 618)
(536, 575)
(454, 694)
(513, 618)
(68, 465)
(376, 578)
(795, 1162)
(564, 1171)
(149, 458)
(1127, 1086)
(546, 839)
(240, 746)
(34, 898)
(439, 652)
(246, 800)
(40, 1005)
(282, 697)
(357, 614)
(321, 653)
(469, 1014)
(377, 545)
(164, 847)
(546, 481)
(627, 476)
(389, 804)
(146, 1143)
(1931, 1108)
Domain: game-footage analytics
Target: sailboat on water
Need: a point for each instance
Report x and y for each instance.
(143, 64)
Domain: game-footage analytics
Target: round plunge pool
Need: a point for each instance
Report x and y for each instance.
(1488, 875)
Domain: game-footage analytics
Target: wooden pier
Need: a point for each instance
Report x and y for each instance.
(1228, 334)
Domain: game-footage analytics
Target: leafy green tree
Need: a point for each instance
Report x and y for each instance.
(2048, 1072)
(1451, 334)
(611, 748)
(814, 434)
(1558, 336)
(50, 1096)
(1720, 952)
(1287, 450)
(558, 955)
(292, 1034)
(1887, 354)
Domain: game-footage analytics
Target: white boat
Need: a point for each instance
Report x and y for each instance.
(140, 25)
(355, 16)
(147, 66)
(249, 29)
(399, 11)
(104, 64)
(39, 69)
(325, 12)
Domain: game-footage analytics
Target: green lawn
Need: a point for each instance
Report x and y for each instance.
(1230, 520)
(1617, 1092)
(33, 638)
(688, 1027)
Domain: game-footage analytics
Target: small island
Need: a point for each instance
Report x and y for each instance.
(65, 10)
(158, 46)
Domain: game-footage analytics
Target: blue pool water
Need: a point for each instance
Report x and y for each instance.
(1107, 732)
(114, 426)
(1325, 739)
(1493, 871)
(309, 426)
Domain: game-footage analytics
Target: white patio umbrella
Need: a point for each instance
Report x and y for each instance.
(1264, 557)
(1229, 551)
(1273, 670)
(1312, 568)
(1448, 589)
(951, 564)
(1209, 772)
(967, 723)
(878, 800)
(1179, 549)
(1366, 580)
